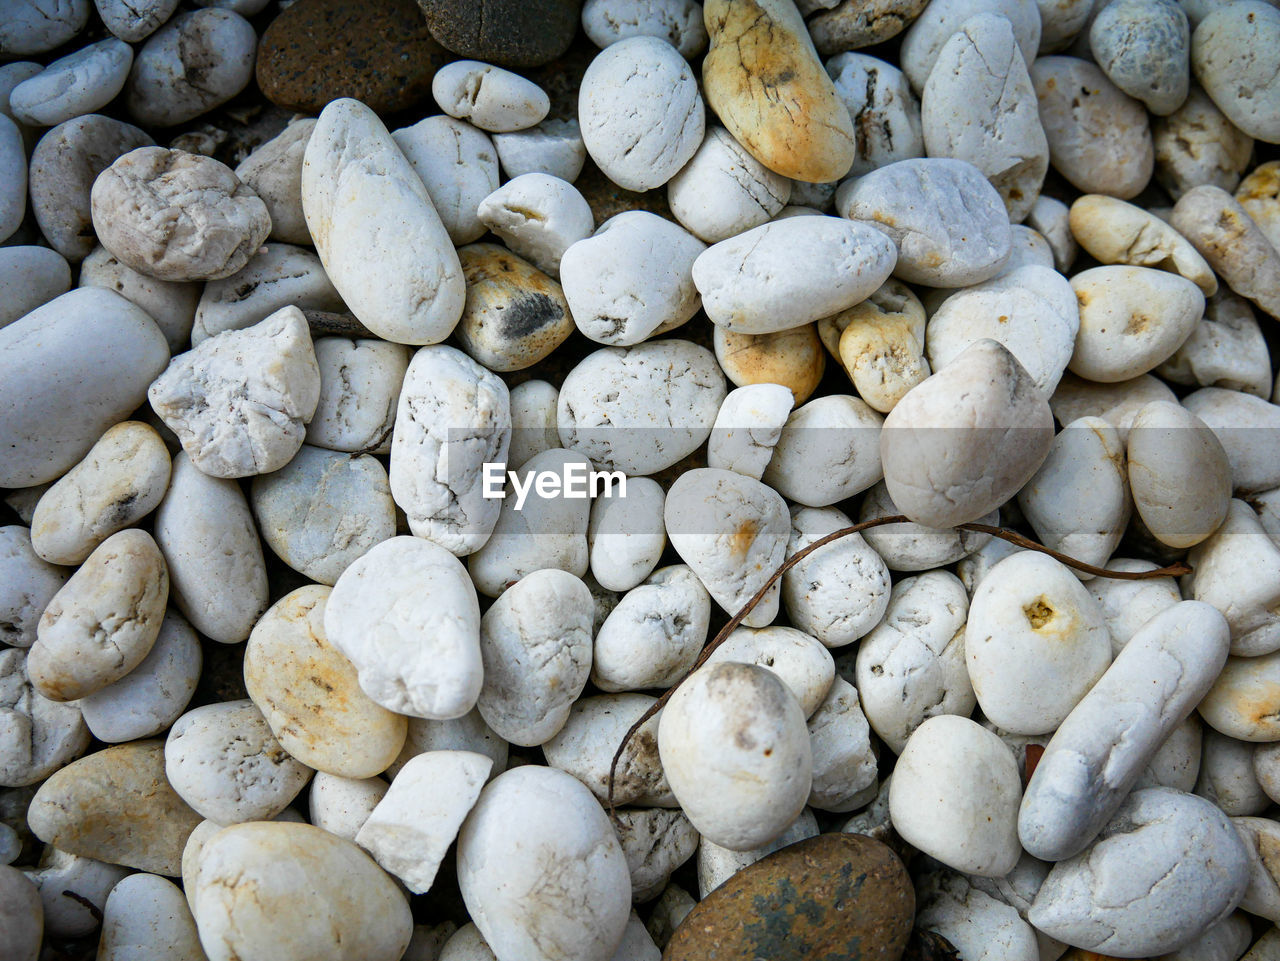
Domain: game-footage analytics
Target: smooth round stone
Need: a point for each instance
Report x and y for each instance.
(1244, 702)
(955, 795)
(30, 277)
(878, 94)
(489, 97)
(763, 79)
(1179, 474)
(1131, 320)
(360, 382)
(39, 735)
(651, 639)
(21, 916)
(626, 534)
(117, 806)
(274, 172)
(539, 217)
(530, 823)
(225, 762)
(949, 461)
(64, 166)
(1078, 501)
(606, 22)
(465, 944)
(12, 74)
(732, 531)
(723, 190)
(417, 292)
(57, 872)
(217, 574)
(634, 251)
(946, 220)
(799, 660)
(548, 531)
(791, 358)
(535, 643)
(515, 315)
(171, 305)
(323, 510)
(828, 451)
(1244, 87)
(930, 31)
(553, 147)
(275, 276)
(386, 57)
(177, 216)
(1228, 776)
(1032, 311)
(309, 693)
(195, 62)
(1259, 195)
(753, 913)
(406, 615)
(149, 698)
(341, 805)
(1179, 867)
(736, 753)
(1237, 418)
(1116, 232)
(1231, 242)
(147, 919)
(1144, 48)
(1197, 144)
(586, 744)
(1035, 643)
(1099, 139)
(839, 592)
(259, 889)
(1237, 569)
(71, 86)
(851, 24)
(412, 827)
(87, 344)
(120, 481)
(102, 622)
(978, 105)
(35, 26)
(641, 115)
(458, 165)
(134, 20)
(640, 409)
(27, 584)
(910, 666)
(792, 272)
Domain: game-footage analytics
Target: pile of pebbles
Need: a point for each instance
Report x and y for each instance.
(371, 471)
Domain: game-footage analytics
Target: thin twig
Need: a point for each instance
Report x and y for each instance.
(1013, 537)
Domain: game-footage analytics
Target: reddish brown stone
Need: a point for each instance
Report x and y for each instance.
(836, 897)
(377, 51)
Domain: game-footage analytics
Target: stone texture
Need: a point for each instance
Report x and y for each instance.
(510, 33)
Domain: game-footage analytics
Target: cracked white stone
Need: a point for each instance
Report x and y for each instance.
(747, 428)
(641, 113)
(360, 381)
(655, 842)
(491, 98)
(723, 190)
(1226, 349)
(827, 451)
(1197, 144)
(454, 416)
(27, 584)
(239, 402)
(977, 922)
(539, 217)
(406, 615)
(606, 22)
(458, 165)
(929, 32)
(39, 736)
(885, 113)
(1144, 48)
(541, 871)
(1100, 750)
(584, 747)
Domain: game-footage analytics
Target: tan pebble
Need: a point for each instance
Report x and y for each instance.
(515, 314)
(1244, 703)
(763, 78)
(1220, 228)
(854, 24)
(1197, 144)
(116, 806)
(1259, 195)
(1116, 232)
(793, 358)
(310, 694)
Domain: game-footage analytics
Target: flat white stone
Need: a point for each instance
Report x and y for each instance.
(360, 381)
(1127, 604)
(355, 181)
(341, 805)
(641, 114)
(406, 615)
(907, 546)
(717, 864)
(79, 83)
(1228, 776)
(553, 147)
(844, 761)
(533, 421)
(29, 278)
(1117, 232)
(1239, 421)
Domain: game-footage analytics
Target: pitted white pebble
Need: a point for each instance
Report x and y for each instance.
(586, 744)
(656, 842)
(803, 664)
(887, 113)
(491, 98)
(539, 217)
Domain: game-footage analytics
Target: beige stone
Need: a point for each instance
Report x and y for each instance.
(763, 78)
(116, 806)
(310, 694)
(1259, 195)
(1244, 702)
(1220, 228)
(1197, 144)
(1116, 232)
(853, 24)
(792, 358)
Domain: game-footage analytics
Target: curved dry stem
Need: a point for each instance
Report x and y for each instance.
(1013, 537)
